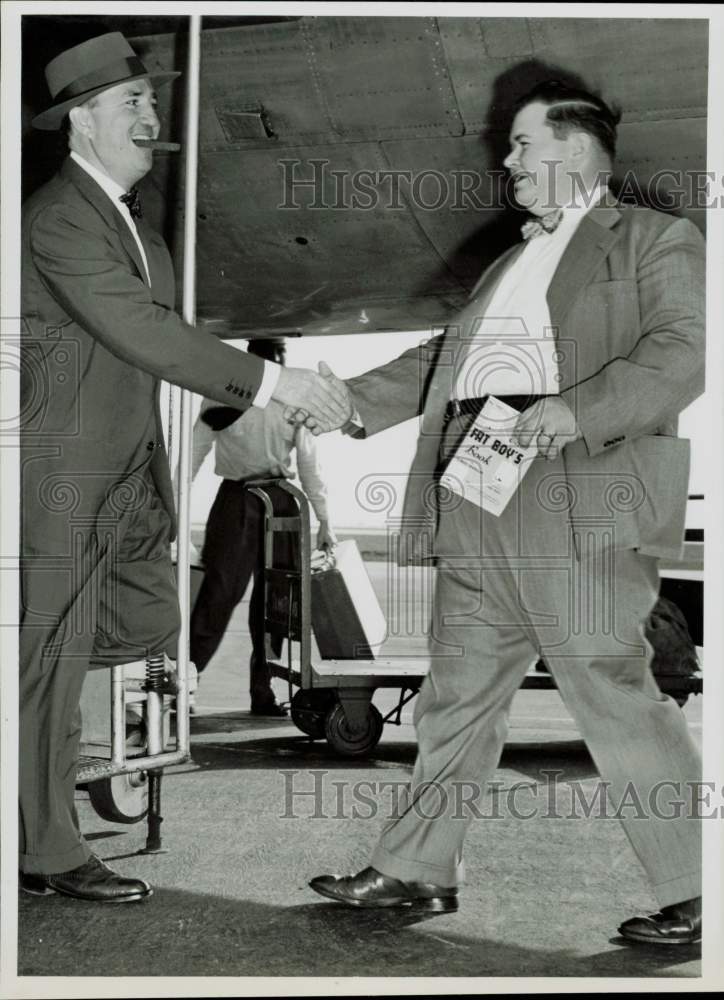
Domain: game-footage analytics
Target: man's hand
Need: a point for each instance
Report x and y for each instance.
(336, 411)
(326, 538)
(549, 424)
(279, 471)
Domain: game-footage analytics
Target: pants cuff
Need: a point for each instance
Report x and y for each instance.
(52, 864)
(678, 890)
(390, 864)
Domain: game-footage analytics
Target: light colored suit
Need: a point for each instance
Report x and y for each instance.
(568, 571)
(97, 504)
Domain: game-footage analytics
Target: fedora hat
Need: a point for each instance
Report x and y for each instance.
(88, 69)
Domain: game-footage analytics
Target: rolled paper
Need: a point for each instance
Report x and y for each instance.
(161, 147)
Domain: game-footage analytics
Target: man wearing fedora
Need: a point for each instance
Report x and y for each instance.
(97, 584)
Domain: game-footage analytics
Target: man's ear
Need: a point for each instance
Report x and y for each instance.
(580, 145)
(80, 119)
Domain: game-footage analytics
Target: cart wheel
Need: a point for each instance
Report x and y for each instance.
(346, 742)
(308, 710)
(122, 798)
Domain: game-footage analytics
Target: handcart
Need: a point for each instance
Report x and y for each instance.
(127, 739)
(333, 700)
(334, 697)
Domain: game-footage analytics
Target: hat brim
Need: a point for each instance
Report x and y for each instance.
(52, 119)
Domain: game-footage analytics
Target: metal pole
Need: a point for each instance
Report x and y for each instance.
(189, 315)
(118, 717)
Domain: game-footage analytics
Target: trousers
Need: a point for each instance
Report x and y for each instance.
(232, 554)
(106, 596)
(512, 589)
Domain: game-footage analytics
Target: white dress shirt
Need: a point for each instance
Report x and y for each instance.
(512, 347)
(114, 191)
(258, 443)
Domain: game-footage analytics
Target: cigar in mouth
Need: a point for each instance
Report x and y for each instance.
(160, 147)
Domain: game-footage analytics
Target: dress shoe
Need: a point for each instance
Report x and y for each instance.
(678, 924)
(93, 881)
(371, 888)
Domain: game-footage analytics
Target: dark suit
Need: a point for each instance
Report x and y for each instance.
(568, 571)
(97, 504)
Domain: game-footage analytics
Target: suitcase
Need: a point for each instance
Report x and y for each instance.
(347, 620)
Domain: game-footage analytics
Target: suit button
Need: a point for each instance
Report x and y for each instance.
(150, 446)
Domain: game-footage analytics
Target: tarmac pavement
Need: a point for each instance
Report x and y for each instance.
(544, 893)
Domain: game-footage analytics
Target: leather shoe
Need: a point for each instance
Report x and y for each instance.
(93, 881)
(371, 888)
(678, 924)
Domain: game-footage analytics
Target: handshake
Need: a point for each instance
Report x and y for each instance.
(321, 402)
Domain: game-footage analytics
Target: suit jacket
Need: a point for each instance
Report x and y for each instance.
(96, 341)
(627, 303)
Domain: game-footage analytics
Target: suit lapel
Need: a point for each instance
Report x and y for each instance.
(488, 281)
(93, 193)
(589, 246)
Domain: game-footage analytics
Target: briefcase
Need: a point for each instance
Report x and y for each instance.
(347, 619)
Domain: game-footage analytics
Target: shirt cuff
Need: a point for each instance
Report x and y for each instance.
(268, 384)
(354, 427)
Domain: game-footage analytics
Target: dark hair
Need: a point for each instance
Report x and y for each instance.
(266, 347)
(570, 109)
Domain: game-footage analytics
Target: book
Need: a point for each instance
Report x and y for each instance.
(488, 467)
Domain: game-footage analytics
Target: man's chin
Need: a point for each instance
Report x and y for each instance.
(534, 207)
(144, 160)
(527, 203)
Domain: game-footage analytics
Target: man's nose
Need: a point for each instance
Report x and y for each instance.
(149, 116)
(509, 160)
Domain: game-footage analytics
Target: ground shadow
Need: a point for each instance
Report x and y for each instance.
(179, 933)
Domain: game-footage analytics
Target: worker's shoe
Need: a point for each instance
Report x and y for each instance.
(371, 888)
(678, 924)
(268, 707)
(93, 881)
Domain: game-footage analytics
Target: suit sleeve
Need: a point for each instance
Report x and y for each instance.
(397, 391)
(89, 276)
(664, 373)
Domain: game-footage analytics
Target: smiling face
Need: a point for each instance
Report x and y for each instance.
(103, 130)
(539, 163)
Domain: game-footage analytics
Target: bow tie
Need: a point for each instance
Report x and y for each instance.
(133, 200)
(543, 224)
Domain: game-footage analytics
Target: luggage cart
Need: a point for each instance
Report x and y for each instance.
(127, 739)
(334, 697)
(333, 700)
